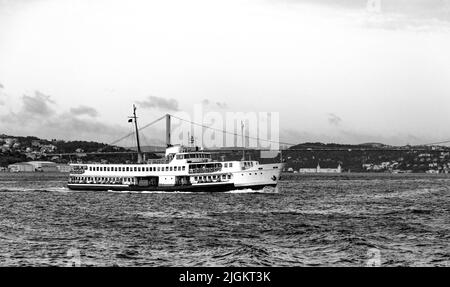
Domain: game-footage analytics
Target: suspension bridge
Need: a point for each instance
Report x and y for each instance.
(427, 147)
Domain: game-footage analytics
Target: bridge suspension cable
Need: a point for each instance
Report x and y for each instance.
(248, 137)
(230, 133)
(132, 133)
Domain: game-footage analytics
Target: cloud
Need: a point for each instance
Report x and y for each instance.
(2, 95)
(349, 136)
(392, 14)
(37, 117)
(334, 119)
(415, 8)
(84, 110)
(68, 126)
(358, 137)
(293, 136)
(34, 107)
(220, 105)
(159, 103)
(37, 105)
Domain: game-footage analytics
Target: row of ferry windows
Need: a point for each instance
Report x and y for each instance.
(137, 168)
(193, 155)
(98, 179)
(207, 177)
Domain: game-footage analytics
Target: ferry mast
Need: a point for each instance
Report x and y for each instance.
(139, 159)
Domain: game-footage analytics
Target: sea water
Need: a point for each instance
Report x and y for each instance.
(308, 220)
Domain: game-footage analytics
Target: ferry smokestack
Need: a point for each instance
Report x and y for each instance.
(168, 142)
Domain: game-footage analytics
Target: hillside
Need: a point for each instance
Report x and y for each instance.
(17, 148)
(373, 157)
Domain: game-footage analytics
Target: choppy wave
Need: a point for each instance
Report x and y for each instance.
(249, 190)
(309, 221)
(175, 214)
(38, 190)
(413, 192)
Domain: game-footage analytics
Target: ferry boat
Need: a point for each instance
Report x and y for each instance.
(182, 169)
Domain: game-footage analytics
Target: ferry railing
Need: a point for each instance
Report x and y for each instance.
(157, 161)
(204, 170)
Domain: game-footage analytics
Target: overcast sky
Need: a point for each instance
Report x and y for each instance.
(337, 71)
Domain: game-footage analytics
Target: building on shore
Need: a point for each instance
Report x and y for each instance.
(21, 167)
(321, 169)
(44, 166)
(38, 166)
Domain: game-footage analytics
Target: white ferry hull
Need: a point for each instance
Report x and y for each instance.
(246, 179)
(181, 171)
(196, 188)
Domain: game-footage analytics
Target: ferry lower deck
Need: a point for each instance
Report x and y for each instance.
(206, 187)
